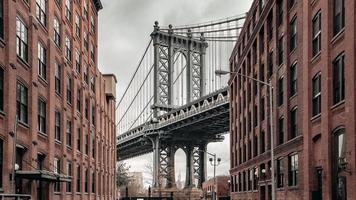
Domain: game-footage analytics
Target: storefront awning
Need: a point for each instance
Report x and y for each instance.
(43, 175)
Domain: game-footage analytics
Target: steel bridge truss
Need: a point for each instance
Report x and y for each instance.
(166, 46)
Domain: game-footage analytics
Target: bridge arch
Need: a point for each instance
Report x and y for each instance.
(180, 160)
(179, 78)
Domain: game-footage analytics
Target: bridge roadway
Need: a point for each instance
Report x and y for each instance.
(204, 120)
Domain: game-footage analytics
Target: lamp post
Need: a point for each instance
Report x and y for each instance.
(213, 162)
(270, 93)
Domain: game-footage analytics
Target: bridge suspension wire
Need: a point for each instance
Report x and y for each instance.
(211, 23)
(134, 109)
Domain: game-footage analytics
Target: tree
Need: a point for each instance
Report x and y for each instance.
(122, 176)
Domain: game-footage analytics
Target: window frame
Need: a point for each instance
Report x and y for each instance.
(316, 95)
(41, 12)
(294, 122)
(293, 85)
(293, 169)
(69, 130)
(338, 17)
(57, 125)
(22, 102)
(42, 61)
(338, 80)
(316, 34)
(21, 39)
(293, 34)
(57, 31)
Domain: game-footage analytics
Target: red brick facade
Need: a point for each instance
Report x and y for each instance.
(83, 109)
(221, 185)
(307, 50)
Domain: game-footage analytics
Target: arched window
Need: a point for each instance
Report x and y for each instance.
(338, 161)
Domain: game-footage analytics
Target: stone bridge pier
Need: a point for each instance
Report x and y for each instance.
(164, 163)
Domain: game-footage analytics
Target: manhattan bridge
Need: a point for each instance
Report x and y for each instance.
(175, 101)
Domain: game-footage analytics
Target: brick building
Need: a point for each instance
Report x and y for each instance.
(307, 50)
(49, 79)
(221, 187)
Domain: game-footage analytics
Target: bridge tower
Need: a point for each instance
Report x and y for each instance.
(167, 45)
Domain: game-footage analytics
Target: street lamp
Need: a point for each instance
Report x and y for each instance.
(270, 91)
(213, 162)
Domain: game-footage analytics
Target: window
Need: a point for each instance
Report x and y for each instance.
(79, 100)
(86, 9)
(317, 94)
(41, 11)
(92, 84)
(86, 108)
(86, 143)
(21, 39)
(57, 129)
(338, 79)
(86, 41)
(280, 91)
(86, 180)
(293, 170)
(68, 11)
(1, 21)
(1, 89)
(280, 51)
(338, 160)
(86, 74)
(93, 146)
(57, 77)
(69, 133)
(56, 170)
(93, 182)
(57, 31)
(78, 178)
(79, 140)
(41, 116)
(69, 90)
(69, 173)
(316, 33)
(280, 173)
(281, 130)
(68, 52)
(293, 123)
(77, 25)
(1, 162)
(270, 26)
(21, 102)
(291, 3)
(270, 64)
(279, 12)
(92, 52)
(92, 24)
(339, 16)
(293, 35)
(77, 61)
(262, 109)
(293, 79)
(262, 139)
(41, 61)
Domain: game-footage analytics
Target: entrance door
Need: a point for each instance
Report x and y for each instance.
(262, 193)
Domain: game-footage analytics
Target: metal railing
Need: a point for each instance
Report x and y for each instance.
(15, 197)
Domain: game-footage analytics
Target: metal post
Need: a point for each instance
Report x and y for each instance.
(14, 155)
(214, 193)
(272, 140)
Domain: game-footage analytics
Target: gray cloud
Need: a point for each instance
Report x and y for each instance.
(124, 29)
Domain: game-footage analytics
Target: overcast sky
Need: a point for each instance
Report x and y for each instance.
(124, 31)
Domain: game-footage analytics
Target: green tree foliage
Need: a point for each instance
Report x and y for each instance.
(122, 176)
